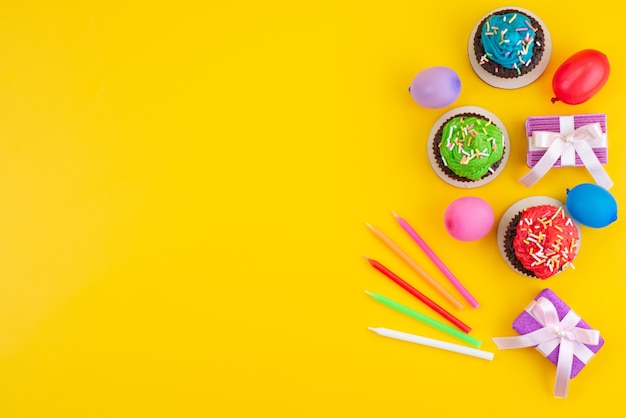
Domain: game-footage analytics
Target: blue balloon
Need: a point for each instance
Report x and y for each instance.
(435, 87)
(591, 205)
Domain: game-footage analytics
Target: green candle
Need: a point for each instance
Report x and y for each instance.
(426, 319)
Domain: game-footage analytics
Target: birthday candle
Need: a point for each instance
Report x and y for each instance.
(405, 257)
(431, 254)
(425, 319)
(419, 295)
(430, 342)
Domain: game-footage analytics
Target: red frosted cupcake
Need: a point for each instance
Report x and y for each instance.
(537, 238)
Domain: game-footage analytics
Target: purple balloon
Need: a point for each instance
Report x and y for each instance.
(435, 87)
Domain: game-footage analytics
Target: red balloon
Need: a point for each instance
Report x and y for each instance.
(580, 77)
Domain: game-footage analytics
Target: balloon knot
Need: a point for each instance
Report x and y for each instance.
(554, 100)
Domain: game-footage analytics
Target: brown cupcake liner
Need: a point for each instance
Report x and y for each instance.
(509, 236)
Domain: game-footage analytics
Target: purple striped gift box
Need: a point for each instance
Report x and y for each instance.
(526, 323)
(553, 124)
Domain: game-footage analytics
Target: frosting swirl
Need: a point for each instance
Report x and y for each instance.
(508, 39)
(546, 240)
(470, 145)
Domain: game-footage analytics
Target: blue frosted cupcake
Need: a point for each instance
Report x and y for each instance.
(510, 48)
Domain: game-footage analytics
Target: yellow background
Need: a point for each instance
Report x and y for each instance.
(184, 191)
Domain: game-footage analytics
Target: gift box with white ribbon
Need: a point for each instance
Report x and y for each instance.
(560, 141)
(550, 326)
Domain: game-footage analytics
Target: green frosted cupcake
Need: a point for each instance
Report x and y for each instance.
(468, 147)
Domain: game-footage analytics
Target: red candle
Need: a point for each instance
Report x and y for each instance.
(423, 298)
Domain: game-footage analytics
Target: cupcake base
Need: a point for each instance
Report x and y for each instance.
(515, 82)
(502, 234)
(467, 183)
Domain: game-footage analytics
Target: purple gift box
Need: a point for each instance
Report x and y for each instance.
(565, 125)
(526, 323)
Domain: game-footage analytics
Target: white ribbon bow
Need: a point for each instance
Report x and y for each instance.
(566, 145)
(563, 334)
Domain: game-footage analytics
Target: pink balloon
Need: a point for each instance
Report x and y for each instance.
(435, 87)
(468, 218)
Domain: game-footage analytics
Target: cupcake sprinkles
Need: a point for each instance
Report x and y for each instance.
(470, 145)
(544, 241)
(509, 40)
(509, 47)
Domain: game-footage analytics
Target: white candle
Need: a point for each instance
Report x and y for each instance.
(430, 342)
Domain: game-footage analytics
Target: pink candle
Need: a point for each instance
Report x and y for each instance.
(431, 254)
